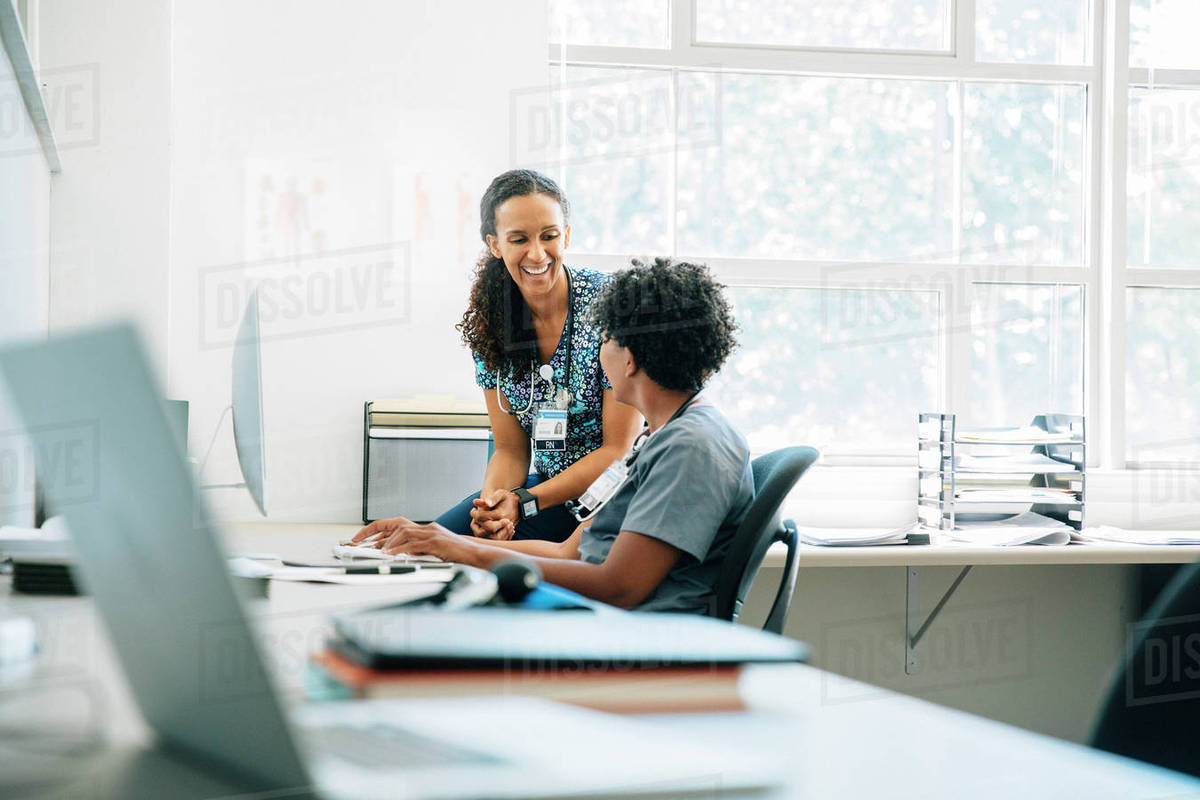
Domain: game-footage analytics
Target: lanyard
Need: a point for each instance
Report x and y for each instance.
(570, 330)
(640, 441)
(605, 487)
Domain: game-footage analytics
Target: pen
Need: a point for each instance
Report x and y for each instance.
(393, 569)
(382, 569)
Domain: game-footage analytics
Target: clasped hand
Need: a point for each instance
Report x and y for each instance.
(495, 515)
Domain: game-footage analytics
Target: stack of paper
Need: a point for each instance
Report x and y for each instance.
(1022, 494)
(1109, 534)
(1020, 462)
(52, 539)
(243, 567)
(1017, 435)
(1027, 528)
(854, 537)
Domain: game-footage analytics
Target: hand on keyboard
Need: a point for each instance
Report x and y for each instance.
(369, 550)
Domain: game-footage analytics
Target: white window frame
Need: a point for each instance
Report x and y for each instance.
(1103, 275)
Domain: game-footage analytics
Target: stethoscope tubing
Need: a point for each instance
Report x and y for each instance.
(548, 373)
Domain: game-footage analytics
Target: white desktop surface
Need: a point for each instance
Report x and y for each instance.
(931, 555)
(313, 540)
(838, 737)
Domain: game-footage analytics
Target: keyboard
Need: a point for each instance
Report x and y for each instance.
(382, 745)
(349, 551)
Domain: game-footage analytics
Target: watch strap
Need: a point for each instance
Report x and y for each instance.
(527, 503)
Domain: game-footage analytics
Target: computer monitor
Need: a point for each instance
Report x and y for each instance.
(247, 410)
(248, 405)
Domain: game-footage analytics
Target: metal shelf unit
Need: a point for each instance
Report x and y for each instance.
(940, 445)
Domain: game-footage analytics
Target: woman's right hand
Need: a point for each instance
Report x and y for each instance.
(378, 530)
(495, 515)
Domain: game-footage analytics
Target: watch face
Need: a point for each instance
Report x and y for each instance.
(530, 509)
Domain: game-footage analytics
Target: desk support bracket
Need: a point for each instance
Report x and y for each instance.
(914, 629)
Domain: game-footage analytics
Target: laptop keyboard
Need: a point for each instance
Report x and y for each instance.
(386, 746)
(369, 551)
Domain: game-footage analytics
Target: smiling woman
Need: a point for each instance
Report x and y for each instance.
(536, 355)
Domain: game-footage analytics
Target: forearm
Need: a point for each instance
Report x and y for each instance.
(575, 479)
(526, 547)
(505, 470)
(590, 580)
(560, 565)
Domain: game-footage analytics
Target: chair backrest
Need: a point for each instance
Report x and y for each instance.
(1154, 700)
(774, 476)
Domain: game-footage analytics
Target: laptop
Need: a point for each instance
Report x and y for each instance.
(148, 551)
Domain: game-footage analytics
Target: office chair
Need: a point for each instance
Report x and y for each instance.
(774, 476)
(1154, 700)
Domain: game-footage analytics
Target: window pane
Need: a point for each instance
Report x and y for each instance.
(1162, 374)
(613, 23)
(1023, 162)
(1162, 34)
(843, 370)
(1163, 183)
(1026, 352)
(818, 168)
(606, 135)
(1032, 31)
(855, 24)
(619, 206)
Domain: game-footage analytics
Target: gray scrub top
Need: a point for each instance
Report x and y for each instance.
(690, 486)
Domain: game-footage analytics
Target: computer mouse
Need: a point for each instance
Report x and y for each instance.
(515, 579)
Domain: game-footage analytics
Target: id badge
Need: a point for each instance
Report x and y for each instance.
(550, 430)
(604, 487)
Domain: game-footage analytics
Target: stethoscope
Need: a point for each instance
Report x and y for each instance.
(564, 397)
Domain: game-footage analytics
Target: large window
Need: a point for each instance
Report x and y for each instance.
(918, 205)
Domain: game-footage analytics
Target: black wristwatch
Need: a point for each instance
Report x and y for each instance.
(527, 504)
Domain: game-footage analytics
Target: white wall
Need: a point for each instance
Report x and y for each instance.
(105, 66)
(302, 131)
(24, 275)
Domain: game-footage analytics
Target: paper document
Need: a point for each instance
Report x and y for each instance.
(1024, 494)
(1109, 535)
(1024, 434)
(854, 537)
(1021, 462)
(52, 539)
(249, 568)
(1026, 528)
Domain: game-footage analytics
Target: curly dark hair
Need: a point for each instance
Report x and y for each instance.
(674, 318)
(497, 323)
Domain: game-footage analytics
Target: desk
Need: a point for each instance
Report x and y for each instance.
(931, 555)
(1068, 609)
(966, 556)
(838, 737)
(314, 540)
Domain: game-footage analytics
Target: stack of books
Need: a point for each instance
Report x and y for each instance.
(604, 659)
(658, 690)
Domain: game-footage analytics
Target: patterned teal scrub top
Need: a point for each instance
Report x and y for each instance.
(585, 430)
